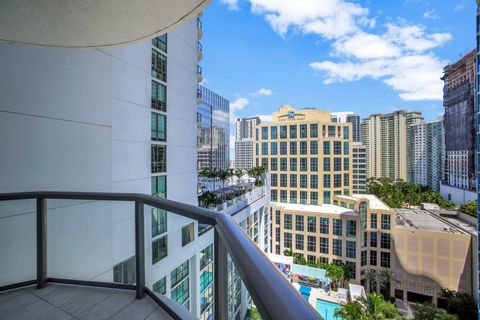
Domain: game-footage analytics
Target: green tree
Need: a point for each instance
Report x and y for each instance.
(238, 173)
(335, 272)
(371, 307)
(386, 277)
(371, 277)
(470, 208)
(429, 311)
(460, 304)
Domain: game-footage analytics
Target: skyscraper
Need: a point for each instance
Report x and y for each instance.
(244, 142)
(308, 155)
(213, 123)
(387, 140)
(459, 98)
(428, 143)
(359, 168)
(351, 117)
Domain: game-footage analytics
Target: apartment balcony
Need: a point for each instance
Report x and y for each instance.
(199, 51)
(57, 259)
(199, 29)
(199, 74)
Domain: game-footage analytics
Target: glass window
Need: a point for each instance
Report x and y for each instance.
(159, 127)
(283, 180)
(283, 148)
(159, 158)
(337, 164)
(287, 240)
(160, 42)
(274, 181)
(324, 225)
(314, 198)
(299, 241)
(303, 147)
(313, 181)
(337, 227)
(314, 164)
(303, 197)
(373, 258)
(159, 221)
(324, 245)
(337, 180)
(313, 147)
(346, 164)
(385, 259)
(293, 164)
(345, 132)
(326, 195)
(283, 195)
(274, 195)
(373, 239)
(326, 181)
(312, 224)
(159, 186)
(303, 181)
(274, 164)
(337, 147)
(293, 181)
(283, 132)
(385, 221)
(326, 164)
(337, 247)
(326, 147)
(346, 148)
(159, 66)
(293, 196)
(385, 240)
(303, 131)
(125, 271)
(293, 131)
(179, 273)
(331, 131)
(313, 130)
(373, 221)
(181, 293)
(351, 249)
(303, 164)
(159, 249)
(363, 260)
(160, 286)
(264, 133)
(299, 223)
(283, 164)
(351, 228)
(159, 96)
(273, 148)
(188, 234)
(311, 243)
(264, 148)
(287, 221)
(273, 132)
(206, 256)
(293, 147)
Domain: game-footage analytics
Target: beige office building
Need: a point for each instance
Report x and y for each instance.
(388, 144)
(309, 156)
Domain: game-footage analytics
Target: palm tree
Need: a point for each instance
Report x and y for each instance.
(371, 307)
(386, 277)
(213, 175)
(223, 175)
(371, 277)
(238, 173)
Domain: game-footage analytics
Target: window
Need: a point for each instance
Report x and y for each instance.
(346, 164)
(345, 133)
(159, 66)
(326, 147)
(363, 259)
(293, 164)
(373, 221)
(303, 164)
(337, 147)
(324, 225)
(181, 293)
(274, 195)
(159, 158)
(385, 259)
(303, 181)
(206, 256)
(159, 96)
(273, 148)
(274, 164)
(188, 234)
(311, 244)
(352, 269)
(287, 221)
(314, 164)
(293, 131)
(303, 131)
(277, 234)
(283, 132)
(179, 273)
(313, 130)
(326, 164)
(274, 181)
(293, 196)
(303, 197)
(373, 258)
(326, 181)
(314, 198)
(337, 227)
(337, 164)
(346, 148)
(160, 42)
(373, 239)
(159, 127)
(311, 258)
(283, 164)
(293, 147)
(331, 131)
(351, 228)
(312, 224)
(273, 132)
(324, 245)
(313, 147)
(337, 180)
(283, 148)
(326, 195)
(303, 147)
(385, 222)
(299, 223)
(346, 181)
(124, 272)
(160, 286)
(159, 249)
(159, 221)
(351, 249)
(264, 148)
(314, 181)
(385, 240)
(287, 240)
(283, 196)
(337, 247)
(283, 180)
(159, 186)
(299, 241)
(264, 133)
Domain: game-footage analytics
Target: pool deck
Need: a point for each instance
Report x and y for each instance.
(317, 293)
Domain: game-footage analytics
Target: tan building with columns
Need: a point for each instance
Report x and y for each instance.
(309, 157)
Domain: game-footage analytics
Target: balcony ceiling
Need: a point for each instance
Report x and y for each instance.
(91, 23)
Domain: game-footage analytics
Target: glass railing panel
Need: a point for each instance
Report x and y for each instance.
(17, 241)
(91, 240)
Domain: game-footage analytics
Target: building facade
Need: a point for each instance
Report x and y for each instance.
(213, 123)
(244, 134)
(388, 143)
(309, 157)
(359, 168)
(459, 101)
(428, 143)
(350, 117)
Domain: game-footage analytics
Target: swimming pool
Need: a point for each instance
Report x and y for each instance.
(326, 309)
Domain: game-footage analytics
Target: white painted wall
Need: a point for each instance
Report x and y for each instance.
(458, 196)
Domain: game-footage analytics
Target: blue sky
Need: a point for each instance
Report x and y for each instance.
(361, 56)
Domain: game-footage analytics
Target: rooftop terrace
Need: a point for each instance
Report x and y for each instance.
(374, 201)
(324, 208)
(422, 220)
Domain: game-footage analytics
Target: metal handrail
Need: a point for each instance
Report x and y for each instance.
(274, 297)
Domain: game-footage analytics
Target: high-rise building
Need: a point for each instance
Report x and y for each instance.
(388, 143)
(459, 101)
(244, 127)
(478, 139)
(213, 122)
(308, 155)
(428, 143)
(359, 168)
(244, 142)
(351, 117)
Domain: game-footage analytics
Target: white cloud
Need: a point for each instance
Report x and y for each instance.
(239, 104)
(432, 14)
(231, 4)
(459, 7)
(264, 117)
(364, 45)
(264, 92)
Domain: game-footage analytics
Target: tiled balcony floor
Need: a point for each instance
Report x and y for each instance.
(61, 302)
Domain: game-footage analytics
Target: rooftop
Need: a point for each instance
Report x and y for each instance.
(374, 202)
(57, 301)
(422, 220)
(324, 208)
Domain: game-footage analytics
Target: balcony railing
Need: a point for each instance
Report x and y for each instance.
(272, 294)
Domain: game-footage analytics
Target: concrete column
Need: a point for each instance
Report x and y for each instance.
(404, 295)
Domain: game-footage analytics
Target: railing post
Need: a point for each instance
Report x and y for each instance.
(41, 242)
(140, 249)
(221, 279)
